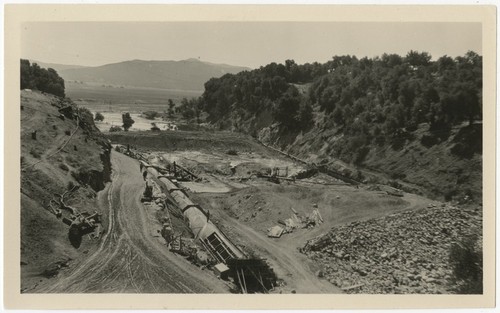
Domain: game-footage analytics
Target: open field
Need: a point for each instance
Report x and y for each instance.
(109, 98)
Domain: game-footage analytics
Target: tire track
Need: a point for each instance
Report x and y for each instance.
(127, 259)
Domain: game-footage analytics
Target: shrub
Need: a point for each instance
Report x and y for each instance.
(99, 117)
(63, 166)
(232, 152)
(67, 132)
(449, 194)
(150, 115)
(35, 153)
(394, 184)
(71, 185)
(466, 258)
(462, 150)
(115, 129)
(127, 121)
(428, 141)
(361, 154)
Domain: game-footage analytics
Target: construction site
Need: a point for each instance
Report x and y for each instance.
(226, 202)
(214, 212)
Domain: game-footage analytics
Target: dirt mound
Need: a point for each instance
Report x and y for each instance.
(406, 252)
(263, 204)
(61, 149)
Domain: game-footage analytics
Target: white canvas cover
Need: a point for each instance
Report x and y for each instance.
(275, 231)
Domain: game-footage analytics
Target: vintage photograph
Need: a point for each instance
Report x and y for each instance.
(251, 157)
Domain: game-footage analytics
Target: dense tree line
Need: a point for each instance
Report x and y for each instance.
(268, 89)
(394, 93)
(373, 99)
(37, 78)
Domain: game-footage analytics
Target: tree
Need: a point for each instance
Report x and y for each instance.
(445, 63)
(46, 80)
(127, 121)
(150, 115)
(171, 106)
(287, 108)
(305, 115)
(338, 116)
(415, 58)
(99, 117)
(26, 77)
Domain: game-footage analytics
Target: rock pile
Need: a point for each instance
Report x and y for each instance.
(406, 252)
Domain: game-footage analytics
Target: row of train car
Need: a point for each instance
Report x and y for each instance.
(251, 275)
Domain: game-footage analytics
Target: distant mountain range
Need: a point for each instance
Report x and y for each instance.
(190, 74)
(57, 67)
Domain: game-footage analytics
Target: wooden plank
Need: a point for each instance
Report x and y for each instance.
(352, 287)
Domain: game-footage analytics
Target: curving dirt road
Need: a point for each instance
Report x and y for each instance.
(290, 265)
(129, 259)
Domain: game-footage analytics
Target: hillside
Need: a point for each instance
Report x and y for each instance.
(65, 161)
(188, 74)
(56, 66)
(407, 121)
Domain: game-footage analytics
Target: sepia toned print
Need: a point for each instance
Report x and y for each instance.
(252, 157)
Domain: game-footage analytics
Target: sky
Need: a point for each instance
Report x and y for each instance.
(250, 44)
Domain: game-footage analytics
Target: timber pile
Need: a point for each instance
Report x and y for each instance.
(405, 252)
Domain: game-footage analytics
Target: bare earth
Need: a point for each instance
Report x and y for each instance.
(129, 259)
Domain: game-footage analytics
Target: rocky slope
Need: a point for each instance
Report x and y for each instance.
(62, 153)
(405, 252)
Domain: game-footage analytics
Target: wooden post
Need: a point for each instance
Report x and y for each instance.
(244, 282)
(243, 289)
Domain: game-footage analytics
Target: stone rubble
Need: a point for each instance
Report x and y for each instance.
(401, 253)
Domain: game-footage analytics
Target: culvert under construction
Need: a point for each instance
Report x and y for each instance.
(249, 274)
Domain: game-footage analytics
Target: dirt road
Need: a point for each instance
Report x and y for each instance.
(289, 264)
(129, 259)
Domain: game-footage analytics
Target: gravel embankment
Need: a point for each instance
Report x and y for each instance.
(406, 252)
